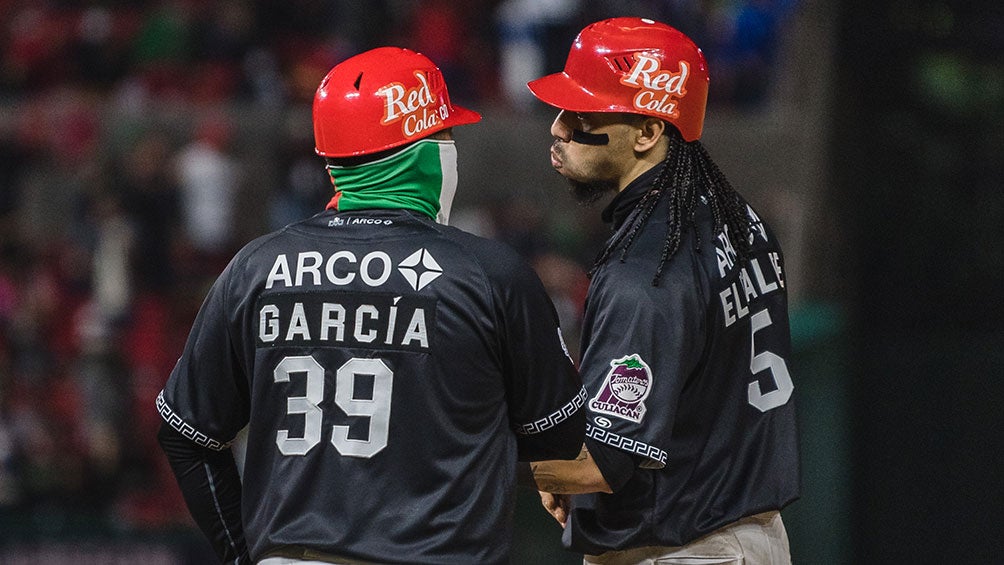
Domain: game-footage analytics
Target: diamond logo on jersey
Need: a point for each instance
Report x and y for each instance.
(420, 269)
(625, 389)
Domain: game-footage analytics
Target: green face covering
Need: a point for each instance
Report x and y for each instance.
(422, 177)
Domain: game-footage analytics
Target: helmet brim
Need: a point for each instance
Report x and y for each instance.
(461, 116)
(564, 92)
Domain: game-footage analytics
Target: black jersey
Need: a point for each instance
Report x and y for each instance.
(389, 371)
(691, 379)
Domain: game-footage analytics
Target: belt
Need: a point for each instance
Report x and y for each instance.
(307, 554)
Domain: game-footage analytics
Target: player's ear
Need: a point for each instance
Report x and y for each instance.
(649, 131)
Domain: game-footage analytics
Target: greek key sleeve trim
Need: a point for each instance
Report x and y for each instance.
(556, 417)
(627, 444)
(175, 421)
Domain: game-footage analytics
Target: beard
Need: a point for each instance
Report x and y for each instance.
(584, 192)
(587, 193)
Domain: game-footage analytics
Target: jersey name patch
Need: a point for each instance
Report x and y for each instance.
(347, 319)
(625, 389)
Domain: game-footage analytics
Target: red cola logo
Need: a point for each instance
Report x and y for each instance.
(625, 389)
(660, 90)
(417, 108)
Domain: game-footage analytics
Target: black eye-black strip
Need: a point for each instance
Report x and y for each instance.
(585, 138)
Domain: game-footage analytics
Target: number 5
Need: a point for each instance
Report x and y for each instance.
(767, 361)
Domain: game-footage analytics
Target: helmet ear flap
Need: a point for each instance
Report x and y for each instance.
(381, 99)
(632, 65)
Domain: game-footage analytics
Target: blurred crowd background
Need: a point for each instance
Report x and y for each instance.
(143, 142)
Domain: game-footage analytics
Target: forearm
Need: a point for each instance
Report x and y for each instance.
(212, 489)
(576, 476)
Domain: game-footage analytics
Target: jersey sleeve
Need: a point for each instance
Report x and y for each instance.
(206, 397)
(211, 486)
(641, 344)
(543, 388)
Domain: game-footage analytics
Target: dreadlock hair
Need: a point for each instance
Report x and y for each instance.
(687, 173)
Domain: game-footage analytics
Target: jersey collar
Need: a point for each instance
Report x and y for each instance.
(621, 206)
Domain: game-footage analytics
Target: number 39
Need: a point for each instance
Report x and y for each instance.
(377, 408)
(767, 361)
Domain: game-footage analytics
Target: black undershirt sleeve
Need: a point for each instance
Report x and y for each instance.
(524, 475)
(211, 486)
(615, 465)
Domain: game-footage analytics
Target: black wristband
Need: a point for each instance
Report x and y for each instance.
(524, 476)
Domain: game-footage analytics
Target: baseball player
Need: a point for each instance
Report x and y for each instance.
(691, 445)
(390, 370)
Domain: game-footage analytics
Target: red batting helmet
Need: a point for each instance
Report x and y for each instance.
(381, 99)
(632, 65)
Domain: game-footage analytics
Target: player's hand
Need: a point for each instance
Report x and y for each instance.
(556, 505)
